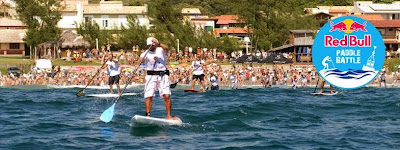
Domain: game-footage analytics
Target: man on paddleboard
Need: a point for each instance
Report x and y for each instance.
(157, 77)
(322, 87)
(198, 72)
(113, 72)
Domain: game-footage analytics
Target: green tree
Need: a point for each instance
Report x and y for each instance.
(41, 18)
(167, 20)
(228, 44)
(133, 34)
(269, 22)
(90, 31)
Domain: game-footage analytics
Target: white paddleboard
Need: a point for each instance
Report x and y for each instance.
(110, 95)
(143, 120)
(91, 87)
(326, 93)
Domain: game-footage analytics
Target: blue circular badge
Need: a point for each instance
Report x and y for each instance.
(348, 52)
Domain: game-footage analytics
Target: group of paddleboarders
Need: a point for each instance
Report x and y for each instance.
(157, 78)
(198, 67)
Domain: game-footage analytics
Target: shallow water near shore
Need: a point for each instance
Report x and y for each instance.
(37, 117)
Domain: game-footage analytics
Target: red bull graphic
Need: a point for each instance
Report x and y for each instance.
(348, 41)
(339, 26)
(355, 26)
(348, 52)
(348, 26)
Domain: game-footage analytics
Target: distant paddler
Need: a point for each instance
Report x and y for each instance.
(214, 81)
(234, 78)
(214, 76)
(198, 72)
(322, 88)
(113, 72)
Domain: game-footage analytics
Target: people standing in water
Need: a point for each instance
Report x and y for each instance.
(214, 76)
(267, 79)
(214, 81)
(234, 79)
(198, 72)
(382, 79)
(113, 72)
(303, 80)
(294, 80)
(157, 77)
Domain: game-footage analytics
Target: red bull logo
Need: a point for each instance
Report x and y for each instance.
(348, 26)
(347, 41)
(348, 52)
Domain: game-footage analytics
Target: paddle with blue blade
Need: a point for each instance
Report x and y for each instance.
(108, 114)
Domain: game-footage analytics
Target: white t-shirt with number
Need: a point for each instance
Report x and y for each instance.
(214, 81)
(155, 60)
(198, 67)
(113, 67)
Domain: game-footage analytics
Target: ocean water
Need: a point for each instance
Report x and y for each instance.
(37, 117)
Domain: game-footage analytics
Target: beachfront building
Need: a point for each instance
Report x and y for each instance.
(7, 9)
(207, 24)
(332, 11)
(225, 25)
(387, 11)
(322, 18)
(299, 47)
(12, 40)
(390, 31)
(230, 25)
(192, 13)
(108, 15)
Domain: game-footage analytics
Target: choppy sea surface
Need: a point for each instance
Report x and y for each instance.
(38, 117)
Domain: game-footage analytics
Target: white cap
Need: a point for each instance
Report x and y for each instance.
(149, 41)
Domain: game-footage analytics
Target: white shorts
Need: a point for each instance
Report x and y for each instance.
(156, 82)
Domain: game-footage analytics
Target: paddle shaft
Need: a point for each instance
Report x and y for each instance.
(98, 71)
(316, 85)
(129, 81)
(187, 76)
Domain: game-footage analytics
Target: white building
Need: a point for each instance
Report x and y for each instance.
(107, 14)
(387, 11)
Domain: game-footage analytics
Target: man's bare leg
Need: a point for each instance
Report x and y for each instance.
(111, 89)
(118, 89)
(147, 105)
(167, 102)
(203, 85)
(322, 87)
(193, 82)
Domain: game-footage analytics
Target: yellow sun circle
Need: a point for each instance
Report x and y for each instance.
(348, 23)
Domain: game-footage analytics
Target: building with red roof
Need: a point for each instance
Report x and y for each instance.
(390, 31)
(224, 25)
(370, 16)
(338, 12)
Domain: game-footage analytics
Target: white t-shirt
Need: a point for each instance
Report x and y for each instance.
(113, 67)
(214, 81)
(155, 60)
(234, 79)
(198, 67)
